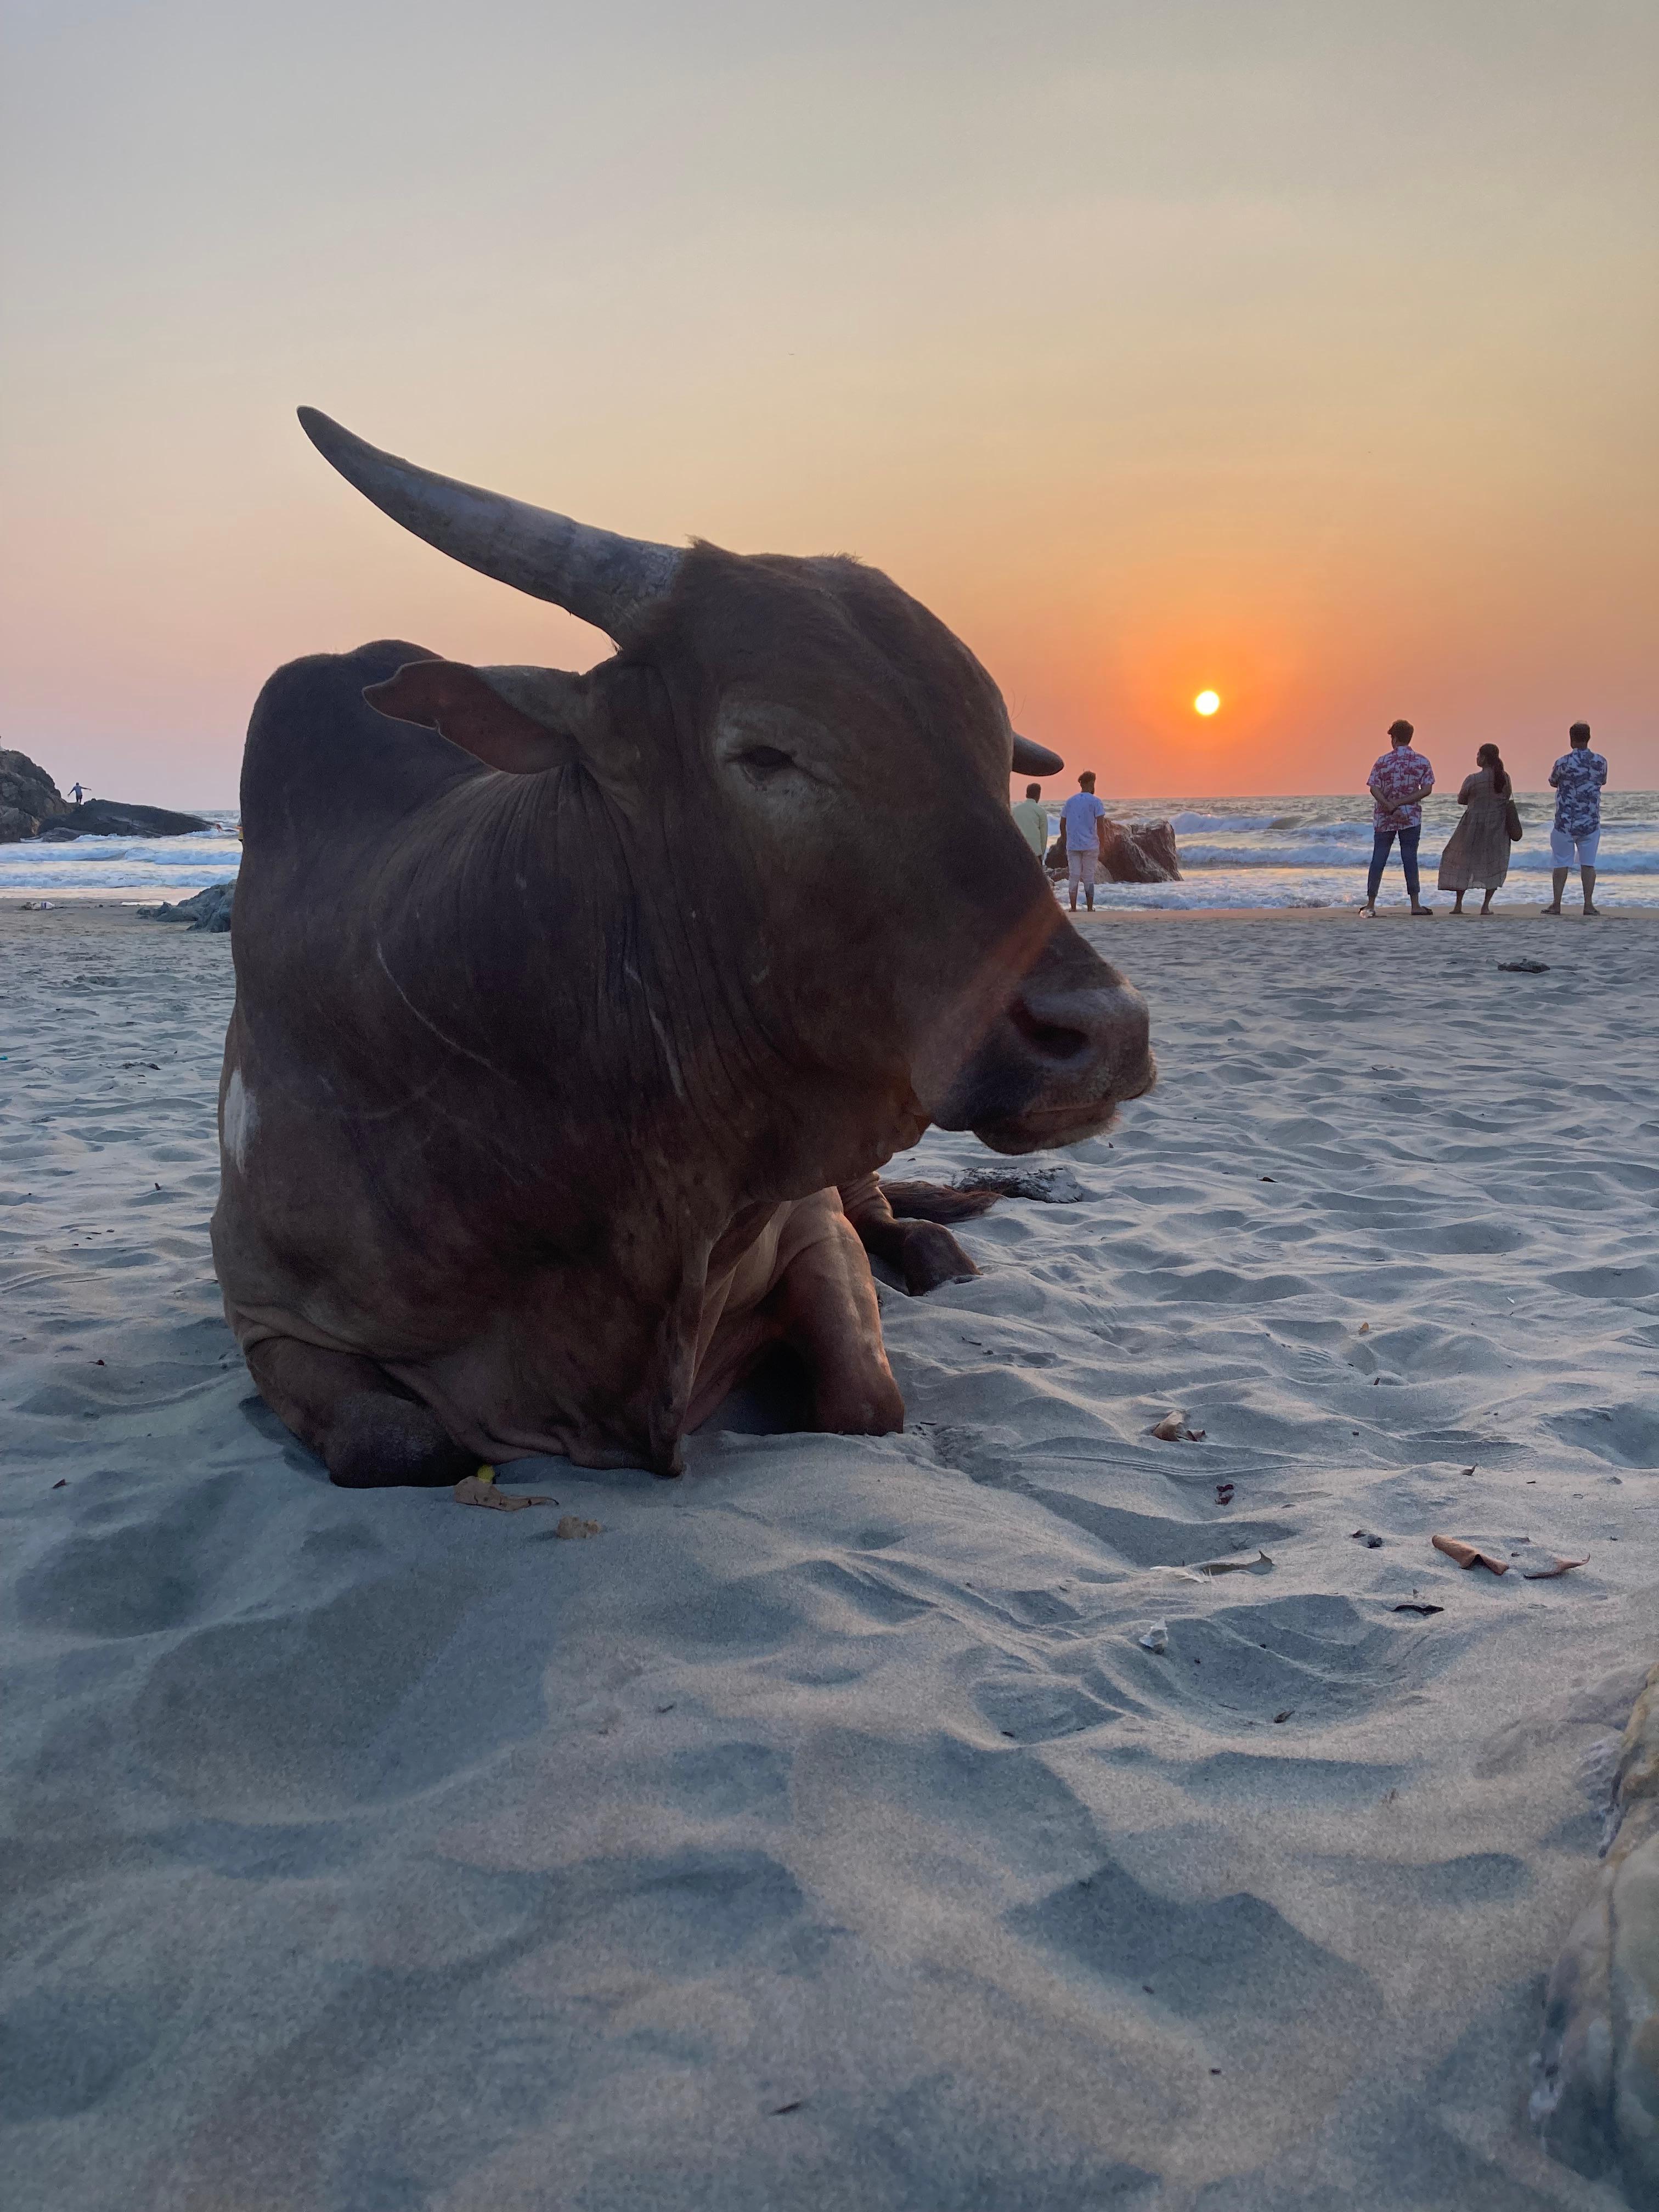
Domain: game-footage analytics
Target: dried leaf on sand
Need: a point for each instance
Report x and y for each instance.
(1201, 1569)
(1549, 1566)
(1470, 1555)
(473, 1490)
(1168, 1430)
(573, 1527)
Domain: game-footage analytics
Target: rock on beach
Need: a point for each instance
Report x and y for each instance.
(1130, 853)
(209, 909)
(1140, 851)
(29, 799)
(31, 805)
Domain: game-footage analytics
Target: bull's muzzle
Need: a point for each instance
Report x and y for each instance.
(1069, 1046)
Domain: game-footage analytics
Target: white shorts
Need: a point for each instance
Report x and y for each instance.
(1562, 843)
(1080, 867)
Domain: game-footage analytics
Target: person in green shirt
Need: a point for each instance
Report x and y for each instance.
(1033, 819)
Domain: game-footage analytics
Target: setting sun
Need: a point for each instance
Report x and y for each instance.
(1206, 702)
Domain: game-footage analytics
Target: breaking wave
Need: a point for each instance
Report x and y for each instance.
(125, 869)
(1308, 852)
(1613, 860)
(1313, 852)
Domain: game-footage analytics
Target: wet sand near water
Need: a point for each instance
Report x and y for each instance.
(822, 1835)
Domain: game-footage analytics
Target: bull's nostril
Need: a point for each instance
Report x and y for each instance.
(1054, 1040)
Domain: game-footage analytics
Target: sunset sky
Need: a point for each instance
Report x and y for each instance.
(1307, 351)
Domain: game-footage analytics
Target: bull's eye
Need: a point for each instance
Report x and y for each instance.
(763, 760)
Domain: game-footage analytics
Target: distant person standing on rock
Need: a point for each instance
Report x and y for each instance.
(1399, 784)
(76, 793)
(1576, 780)
(1080, 819)
(1033, 820)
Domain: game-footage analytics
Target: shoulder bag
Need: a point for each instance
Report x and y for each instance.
(1512, 821)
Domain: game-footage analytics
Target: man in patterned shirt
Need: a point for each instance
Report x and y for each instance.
(1577, 779)
(1399, 784)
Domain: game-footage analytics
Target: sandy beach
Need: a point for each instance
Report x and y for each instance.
(822, 1835)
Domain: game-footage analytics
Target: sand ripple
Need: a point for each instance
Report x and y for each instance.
(822, 1836)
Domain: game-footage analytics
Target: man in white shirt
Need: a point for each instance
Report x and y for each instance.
(1080, 819)
(1033, 820)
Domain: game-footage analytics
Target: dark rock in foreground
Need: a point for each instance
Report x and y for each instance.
(208, 909)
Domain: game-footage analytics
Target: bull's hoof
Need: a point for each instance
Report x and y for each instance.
(377, 1442)
(931, 1257)
(877, 1412)
(1596, 2092)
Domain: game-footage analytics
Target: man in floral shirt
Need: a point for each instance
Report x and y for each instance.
(1398, 783)
(1577, 779)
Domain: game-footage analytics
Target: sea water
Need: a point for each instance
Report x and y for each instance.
(1234, 853)
(1315, 852)
(141, 871)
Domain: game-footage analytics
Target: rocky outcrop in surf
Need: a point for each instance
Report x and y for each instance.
(1130, 852)
(31, 805)
(1139, 852)
(115, 818)
(29, 800)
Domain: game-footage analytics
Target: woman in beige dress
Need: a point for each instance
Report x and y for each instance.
(1477, 855)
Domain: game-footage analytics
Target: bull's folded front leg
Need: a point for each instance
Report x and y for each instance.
(825, 1305)
(366, 1430)
(923, 1253)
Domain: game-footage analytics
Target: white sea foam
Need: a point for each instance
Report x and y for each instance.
(1640, 860)
(1315, 851)
(1243, 853)
(1187, 823)
(123, 868)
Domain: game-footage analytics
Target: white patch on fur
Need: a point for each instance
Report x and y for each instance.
(240, 1119)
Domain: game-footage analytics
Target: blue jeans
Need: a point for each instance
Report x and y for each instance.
(1381, 840)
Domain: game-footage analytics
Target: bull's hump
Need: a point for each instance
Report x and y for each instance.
(320, 759)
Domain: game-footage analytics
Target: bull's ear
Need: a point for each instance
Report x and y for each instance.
(522, 719)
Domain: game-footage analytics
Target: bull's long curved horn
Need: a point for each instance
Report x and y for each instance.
(607, 580)
(1035, 760)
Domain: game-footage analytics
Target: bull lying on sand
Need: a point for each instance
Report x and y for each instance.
(575, 1013)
